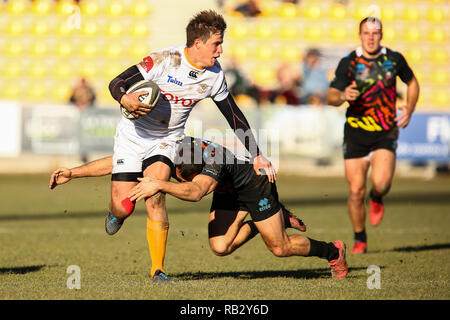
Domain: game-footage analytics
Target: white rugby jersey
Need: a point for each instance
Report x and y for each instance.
(182, 85)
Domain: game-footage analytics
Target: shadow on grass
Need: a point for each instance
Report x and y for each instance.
(437, 246)
(81, 215)
(296, 274)
(21, 270)
(400, 197)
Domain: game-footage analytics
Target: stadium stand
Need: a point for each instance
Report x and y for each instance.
(45, 40)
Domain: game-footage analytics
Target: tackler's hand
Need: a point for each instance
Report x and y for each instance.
(144, 189)
(263, 166)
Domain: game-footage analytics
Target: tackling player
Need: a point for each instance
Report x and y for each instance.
(238, 191)
(366, 79)
(146, 146)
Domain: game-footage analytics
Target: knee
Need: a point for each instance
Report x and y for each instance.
(357, 192)
(219, 248)
(279, 250)
(381, 187)
(119, 211)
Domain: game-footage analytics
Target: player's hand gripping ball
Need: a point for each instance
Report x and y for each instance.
(150, 98)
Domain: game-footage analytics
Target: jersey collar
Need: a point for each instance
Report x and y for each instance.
(189, 63)
(359, 51)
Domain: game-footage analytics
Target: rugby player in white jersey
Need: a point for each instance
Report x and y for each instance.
(147, 146)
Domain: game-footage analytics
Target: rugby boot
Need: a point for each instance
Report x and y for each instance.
(359, 247)
(161, 277)
(376, 212)
(339, 268)
(112, 224)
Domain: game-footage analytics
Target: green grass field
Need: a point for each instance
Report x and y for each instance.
(42, 232)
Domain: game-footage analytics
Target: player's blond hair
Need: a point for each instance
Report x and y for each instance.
(203, 25)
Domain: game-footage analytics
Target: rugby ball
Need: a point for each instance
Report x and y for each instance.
(151, 97)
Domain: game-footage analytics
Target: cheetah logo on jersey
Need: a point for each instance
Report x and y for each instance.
(203, 88)
(163, 145)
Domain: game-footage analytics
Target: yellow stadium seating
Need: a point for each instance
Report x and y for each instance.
(88, 70)
(413, 34)
(63, 70)
(90, 8)
(16, 28)
(39, 48)
(17, 7)
(435, 14)
(67, 7)
(411, 14)
(138, 51)
(288, 10)
(289, 31)
(269, 9)
(36, 92)
(436, 34)
(113, 50)
(15, 48)
(114, 29)
(440, 77)
(140, 9)
(265, 52)
(88, 49)
(140, 29)
(89, 28)
(338, 33)
(264, 31)
(312, 11)
(61, 92)
(264, 76)
(388, 14)
(338, 11)
(314, 32)
(42, 7)
(40, 28)
(11, 91)
(441, 98)
(64, 49)
(439, 55)
(239, 31)
(240, 52)
(414, 55)
(12, 69)
(115, 8)
(291, 54)
(37, 70)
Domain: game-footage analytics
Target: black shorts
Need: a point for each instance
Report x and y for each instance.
(260, 199)
(359, 143)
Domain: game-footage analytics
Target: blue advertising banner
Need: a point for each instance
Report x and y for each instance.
(426, 138)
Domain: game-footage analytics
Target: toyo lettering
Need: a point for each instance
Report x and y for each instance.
(177, 100)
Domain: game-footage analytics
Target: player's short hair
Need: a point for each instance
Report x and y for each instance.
(203, 25)
(374, 21)
(187, 161)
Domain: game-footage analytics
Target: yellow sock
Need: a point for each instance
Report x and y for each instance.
(157, 238)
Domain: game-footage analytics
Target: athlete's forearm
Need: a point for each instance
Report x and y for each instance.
(412, 94)
(239, 124)
(96, 168)
(334, 97)
(120, 84)
(188, 191)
